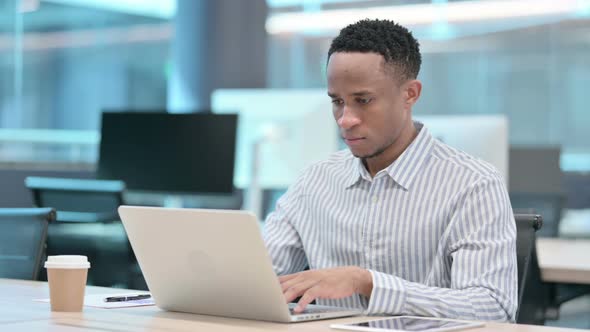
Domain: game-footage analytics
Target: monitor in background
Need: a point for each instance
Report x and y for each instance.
(280, 132)
(536, 185)
(482, 136)
(536, 169)
(292, 127)
(170, 153)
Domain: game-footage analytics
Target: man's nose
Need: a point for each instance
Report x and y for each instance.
(348, 119)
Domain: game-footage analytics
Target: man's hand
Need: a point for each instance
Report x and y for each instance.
(333, 283)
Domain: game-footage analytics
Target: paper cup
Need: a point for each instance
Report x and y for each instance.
(67, 280)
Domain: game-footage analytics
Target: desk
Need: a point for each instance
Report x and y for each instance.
(19, 313)
(564, 260)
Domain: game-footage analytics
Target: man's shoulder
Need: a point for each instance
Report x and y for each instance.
(464, 162)
(337, 160)
(336, 163)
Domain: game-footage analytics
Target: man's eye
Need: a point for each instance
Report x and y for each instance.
(363, 101)
(337, 101)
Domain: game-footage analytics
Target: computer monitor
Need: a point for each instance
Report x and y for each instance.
(292, 128)
(280, 132)
(169, 153)
(482, 136)
(536, 169)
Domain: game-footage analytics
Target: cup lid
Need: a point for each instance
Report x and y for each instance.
(67, 262)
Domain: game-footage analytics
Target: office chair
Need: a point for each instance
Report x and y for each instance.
(87, 224)
(533, 294)
(549, 205)
(23, 234)
(78, 200)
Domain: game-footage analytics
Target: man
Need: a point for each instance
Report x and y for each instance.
(400, 223)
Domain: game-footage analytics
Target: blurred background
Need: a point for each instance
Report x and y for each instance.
(63, 63)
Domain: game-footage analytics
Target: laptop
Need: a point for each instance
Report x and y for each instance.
(211, 262)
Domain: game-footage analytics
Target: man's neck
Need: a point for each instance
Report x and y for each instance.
(383, 160)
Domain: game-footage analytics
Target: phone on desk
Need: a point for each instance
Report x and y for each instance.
(409, 323)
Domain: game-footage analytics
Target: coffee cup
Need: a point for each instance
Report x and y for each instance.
(67, 275)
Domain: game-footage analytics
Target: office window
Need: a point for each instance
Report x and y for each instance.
(533, 66)
(63, 61)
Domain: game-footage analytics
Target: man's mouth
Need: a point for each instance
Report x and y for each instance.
(352, 140)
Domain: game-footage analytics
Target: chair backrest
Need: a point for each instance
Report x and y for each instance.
(78, 200)
(532, 293)
(23, 233)
(549, 205)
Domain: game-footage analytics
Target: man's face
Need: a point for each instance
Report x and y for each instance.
(369, 102)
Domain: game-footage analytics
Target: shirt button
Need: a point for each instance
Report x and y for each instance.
(375, 199)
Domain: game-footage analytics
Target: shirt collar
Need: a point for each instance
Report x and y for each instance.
(405, 168)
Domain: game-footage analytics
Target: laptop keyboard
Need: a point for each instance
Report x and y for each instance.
(311, 310)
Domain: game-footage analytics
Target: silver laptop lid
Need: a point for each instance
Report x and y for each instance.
(211, 262)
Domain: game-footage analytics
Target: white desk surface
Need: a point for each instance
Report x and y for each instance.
(19, 313)
(564, 260)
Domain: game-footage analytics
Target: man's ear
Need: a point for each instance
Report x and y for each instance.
(413, 89)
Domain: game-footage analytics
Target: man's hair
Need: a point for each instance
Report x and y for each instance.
(394, 42)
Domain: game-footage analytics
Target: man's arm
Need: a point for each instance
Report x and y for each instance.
(280, 236)
(482, 251)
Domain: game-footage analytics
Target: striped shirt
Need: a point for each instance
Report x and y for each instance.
(435, 229)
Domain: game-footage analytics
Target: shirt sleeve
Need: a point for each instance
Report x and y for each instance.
(482, 252)
(280, 234)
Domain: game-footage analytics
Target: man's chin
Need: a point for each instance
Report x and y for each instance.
(365, 154)
(362, 154)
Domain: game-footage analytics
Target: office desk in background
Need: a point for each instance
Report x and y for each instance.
(19, 313)
(564, 260)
